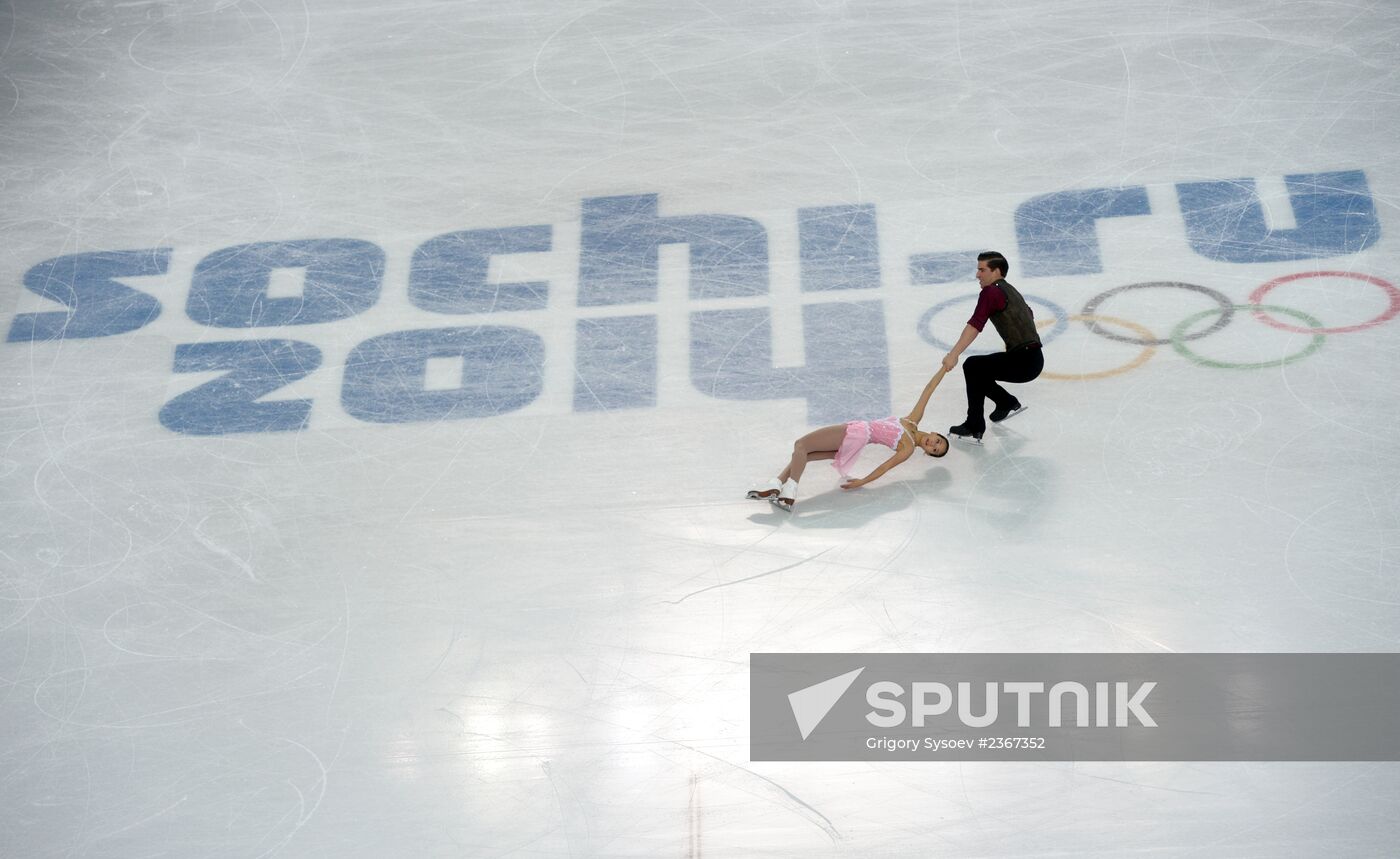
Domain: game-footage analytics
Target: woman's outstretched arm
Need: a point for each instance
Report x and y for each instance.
(916, 414)
(906, 447)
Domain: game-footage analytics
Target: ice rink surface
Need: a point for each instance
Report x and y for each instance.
(381, 382)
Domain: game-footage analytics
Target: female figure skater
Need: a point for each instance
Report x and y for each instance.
(840, 443)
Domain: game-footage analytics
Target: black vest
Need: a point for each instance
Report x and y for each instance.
(1016, 323)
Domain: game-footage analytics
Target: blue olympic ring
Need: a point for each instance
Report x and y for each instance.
(1061, 322)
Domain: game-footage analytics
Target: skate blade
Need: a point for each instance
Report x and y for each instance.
(1012, 415)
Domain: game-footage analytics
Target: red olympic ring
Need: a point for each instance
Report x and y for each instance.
(1257, 297)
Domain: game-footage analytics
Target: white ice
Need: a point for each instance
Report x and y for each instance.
(528, 633)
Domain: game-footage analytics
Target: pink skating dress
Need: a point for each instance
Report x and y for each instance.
(886, 431)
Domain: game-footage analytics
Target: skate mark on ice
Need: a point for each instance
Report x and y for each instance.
(748, 578)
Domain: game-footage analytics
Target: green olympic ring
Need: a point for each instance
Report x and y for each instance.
(1179, 338)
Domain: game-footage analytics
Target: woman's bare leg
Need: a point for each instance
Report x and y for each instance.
(817, 444)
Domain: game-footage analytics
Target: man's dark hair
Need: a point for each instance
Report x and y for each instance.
(994, 261)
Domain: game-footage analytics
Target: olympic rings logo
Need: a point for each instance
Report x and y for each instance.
(1189, 329)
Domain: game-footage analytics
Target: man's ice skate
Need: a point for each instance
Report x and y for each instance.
(767, 491)
(1001, 413)
(964, 433)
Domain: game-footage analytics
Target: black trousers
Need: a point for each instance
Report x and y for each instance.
(983, 372)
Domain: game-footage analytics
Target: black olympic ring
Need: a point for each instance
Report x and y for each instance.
(1227, 311)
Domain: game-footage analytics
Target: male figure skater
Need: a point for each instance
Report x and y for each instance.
(1021, 362)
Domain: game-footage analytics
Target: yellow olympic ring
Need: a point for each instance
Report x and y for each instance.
(1142, 358)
